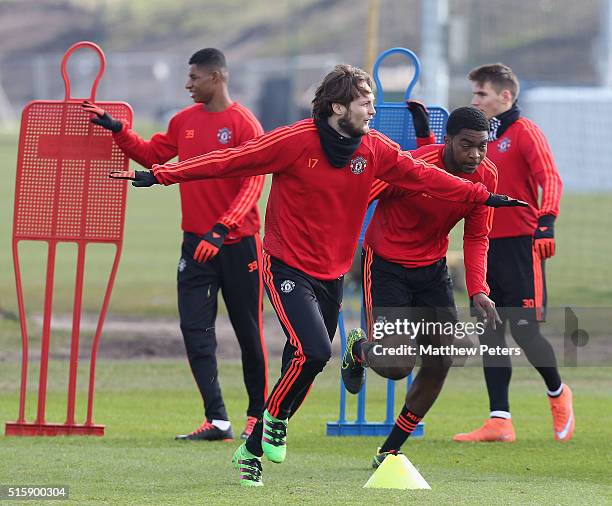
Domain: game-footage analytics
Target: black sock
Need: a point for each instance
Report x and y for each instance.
(497, 380)
(551, 378)
(253, 443)
(404, 425)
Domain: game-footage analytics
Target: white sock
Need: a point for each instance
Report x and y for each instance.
(556, 393)
(500, 414)
(222, 424)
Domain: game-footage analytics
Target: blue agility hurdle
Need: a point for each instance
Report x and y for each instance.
(394, 120)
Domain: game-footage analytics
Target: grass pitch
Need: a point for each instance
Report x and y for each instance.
(144, 404)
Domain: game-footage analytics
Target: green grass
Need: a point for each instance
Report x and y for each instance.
(143, 404)
(146, 279)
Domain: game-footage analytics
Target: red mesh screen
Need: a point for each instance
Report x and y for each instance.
(63, 191)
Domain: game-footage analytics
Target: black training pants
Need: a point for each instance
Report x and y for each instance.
(307, 309)
(236, 271)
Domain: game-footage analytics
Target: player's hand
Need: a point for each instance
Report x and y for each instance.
(139, 178)
(496, 200)
(101, 117)
(211, 243)
(486, 308)
(544, 236)
(420, 118)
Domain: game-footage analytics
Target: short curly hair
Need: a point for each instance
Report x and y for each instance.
(466, 117)
(209, 57)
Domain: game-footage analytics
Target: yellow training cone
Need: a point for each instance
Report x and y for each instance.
(397, 471)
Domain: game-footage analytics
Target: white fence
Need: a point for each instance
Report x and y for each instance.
(578, 125)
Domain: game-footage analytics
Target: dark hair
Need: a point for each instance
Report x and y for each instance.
(209, 57)
(341, 86)
(499, 75)
(466, 117)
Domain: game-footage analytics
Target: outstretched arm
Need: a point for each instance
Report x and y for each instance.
(399, 168)
(270, 153)
(159, 149)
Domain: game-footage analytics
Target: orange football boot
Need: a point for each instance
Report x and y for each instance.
(494, 429)
(248, 428)
(563, 415)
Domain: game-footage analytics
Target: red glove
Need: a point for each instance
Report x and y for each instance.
(211, 243)
(544, 237)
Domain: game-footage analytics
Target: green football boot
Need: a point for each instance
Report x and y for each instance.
(274, 438)
(240, 453)
(380, 456)
(353, 373)
(249, 466)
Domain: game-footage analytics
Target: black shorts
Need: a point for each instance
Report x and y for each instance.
(516, 276)
(427, 290)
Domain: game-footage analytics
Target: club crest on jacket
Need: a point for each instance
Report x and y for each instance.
(224, 135)
(504, 145)
(358, 164)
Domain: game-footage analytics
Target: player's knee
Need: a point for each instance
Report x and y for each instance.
(524, 331)
(437, 366)
(316, 364)
(319, 357)
(198, 341)
(398, 373)
(392, 372)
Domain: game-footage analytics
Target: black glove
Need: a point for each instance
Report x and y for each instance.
(101, 117)
(210, 243)
(139, 178)
(496, 200)
(544, 236)
(420, 118)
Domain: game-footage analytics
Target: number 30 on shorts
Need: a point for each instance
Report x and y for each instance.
(528, 303)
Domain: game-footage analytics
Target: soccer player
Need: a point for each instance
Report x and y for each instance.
(221, 247)
(404, 266)
(520, 242)
(323, 169)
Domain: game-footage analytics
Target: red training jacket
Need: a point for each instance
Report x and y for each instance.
(411, 228)
(195, 131)
(524, 162)
(315, 210)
